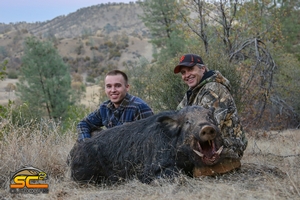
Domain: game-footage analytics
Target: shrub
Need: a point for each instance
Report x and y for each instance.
(114, 53)
(10, 87)
(77, 77)
(77, 86)
(3, 51)
(13, 74)
(90, 79)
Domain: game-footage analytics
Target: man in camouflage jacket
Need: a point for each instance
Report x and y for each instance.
(210, 88)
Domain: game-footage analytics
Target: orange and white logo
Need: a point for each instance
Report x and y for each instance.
(29, 180)
(182, 58)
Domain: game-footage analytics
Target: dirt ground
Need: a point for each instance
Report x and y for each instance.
(270, 170)
(270, 166)
(91, 98)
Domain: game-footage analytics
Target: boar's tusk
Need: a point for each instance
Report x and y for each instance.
(198, 153)
(220, 150)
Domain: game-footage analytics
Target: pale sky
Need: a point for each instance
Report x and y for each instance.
(43, 10)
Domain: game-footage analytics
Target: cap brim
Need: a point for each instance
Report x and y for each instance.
(187, 64)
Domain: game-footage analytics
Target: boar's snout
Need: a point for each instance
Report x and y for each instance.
(208, 133)
(206, 146)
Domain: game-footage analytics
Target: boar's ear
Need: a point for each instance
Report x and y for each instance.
(169, 125)
(212, 109)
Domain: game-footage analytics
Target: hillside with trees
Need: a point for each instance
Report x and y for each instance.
(254, 44)
(91, 40)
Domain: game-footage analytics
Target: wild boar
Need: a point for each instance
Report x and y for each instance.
(158, 146)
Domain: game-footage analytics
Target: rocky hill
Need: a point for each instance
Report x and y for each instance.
(96, 37)
(106, 18)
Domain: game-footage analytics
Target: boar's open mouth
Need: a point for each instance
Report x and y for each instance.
(206, 147)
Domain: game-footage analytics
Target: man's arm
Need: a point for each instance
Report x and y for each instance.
(145, 111)
(140, 108)
(92, 122)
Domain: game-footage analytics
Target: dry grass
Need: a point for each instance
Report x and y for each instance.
(92, 96)
(5, 96)
(270, 170)
(91, 99)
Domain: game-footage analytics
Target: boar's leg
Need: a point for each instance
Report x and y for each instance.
(86, 163)
(157, 171)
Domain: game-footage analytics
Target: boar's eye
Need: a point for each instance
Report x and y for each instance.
(188, 122)
(211, 118)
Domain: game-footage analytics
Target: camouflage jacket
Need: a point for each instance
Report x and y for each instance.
(215, 91)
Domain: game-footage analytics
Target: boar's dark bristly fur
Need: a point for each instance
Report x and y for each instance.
(159, 146)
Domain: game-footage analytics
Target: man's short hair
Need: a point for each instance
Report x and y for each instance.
(116, 72)
(202, 65)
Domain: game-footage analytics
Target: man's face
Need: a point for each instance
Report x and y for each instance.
(192, 75)
(116, 88)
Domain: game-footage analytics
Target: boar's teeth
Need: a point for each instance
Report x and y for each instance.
(209, 142)
(198, 153)
(220, 150)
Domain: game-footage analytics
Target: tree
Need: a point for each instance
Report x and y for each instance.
(197, 24)
(162, 19)
(3, 69)
(242, 39)
(289, 16)
(45, 82)
(244, 31)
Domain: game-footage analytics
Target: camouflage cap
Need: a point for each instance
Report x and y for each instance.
(188, 60)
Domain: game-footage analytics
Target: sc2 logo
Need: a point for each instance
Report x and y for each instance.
(29, 180)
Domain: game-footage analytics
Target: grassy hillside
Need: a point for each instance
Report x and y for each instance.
(103, 36)
(91, 41)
